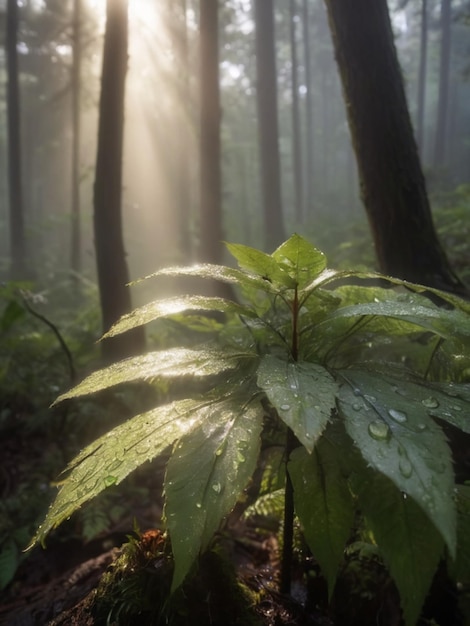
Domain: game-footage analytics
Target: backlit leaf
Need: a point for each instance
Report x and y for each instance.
(397, 437)
(302, 261)
(163, 363)
(173, 306)
(302, 393)
(205, 476)
(216, 272)
(442, 322)
(323, 504)
(260, 263)
(112, 457)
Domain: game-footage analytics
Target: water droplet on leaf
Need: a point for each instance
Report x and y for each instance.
(216, 487)
(285, 407)
(398, 416)
(430, 403)
(406, 469)
(356, 406)
(379, 430)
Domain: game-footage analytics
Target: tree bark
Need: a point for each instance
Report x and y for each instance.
(423, 54)
(443, 97)
(392, 182)
(268, 124)
(309, 138)
(211, 237)
(113, 275)
(296, 145)
(75, 243)
(16, 209)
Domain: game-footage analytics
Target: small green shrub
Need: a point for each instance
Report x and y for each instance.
(354, 374)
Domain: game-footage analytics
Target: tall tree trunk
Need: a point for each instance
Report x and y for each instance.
(296, 145)
(113, 275)
(268, 124)
(443, 97)
(184, 138)
(423, 54)
(17, 232)
(75, 243)
(309, 139)
(393, 187)
(210, 168)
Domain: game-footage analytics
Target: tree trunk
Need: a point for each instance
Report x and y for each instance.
(443, 98)
(211, 237)
(392, 182)
(268, 124)
(309, 139)
(423, 54)
(112, 269)
(185, 138)
(75, 243)
(296, 146)
(17, 233)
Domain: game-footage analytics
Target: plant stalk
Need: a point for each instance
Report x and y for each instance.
(288, 531)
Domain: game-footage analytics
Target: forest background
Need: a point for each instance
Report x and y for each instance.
(161, 197)
(46, 229)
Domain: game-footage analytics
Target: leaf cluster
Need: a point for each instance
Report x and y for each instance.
(363, 370)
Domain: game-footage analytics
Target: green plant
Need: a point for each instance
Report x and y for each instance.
(348, 372)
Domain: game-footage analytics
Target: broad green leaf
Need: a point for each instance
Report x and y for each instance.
(174, 306)
(409, 543)
(323, 504)
(163, 363)
(447, 401)
(260, 263)
(442, 322)
(302, 393)
(459, 568)
(397, 437)
(302, 261)
(112, 457)
(216, 272)
(205, 476)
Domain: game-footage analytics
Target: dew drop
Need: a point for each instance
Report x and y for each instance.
(198, 505)
(398, 416)
(356, 406)
(430, 403)
(216, 487)
(241, 457)
(421, 427)
(285, 407)
(405, 467)
(110, 480)
(370, 398)
(379, 430)
(457, 408)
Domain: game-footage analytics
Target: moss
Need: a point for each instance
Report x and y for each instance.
(136, 590)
